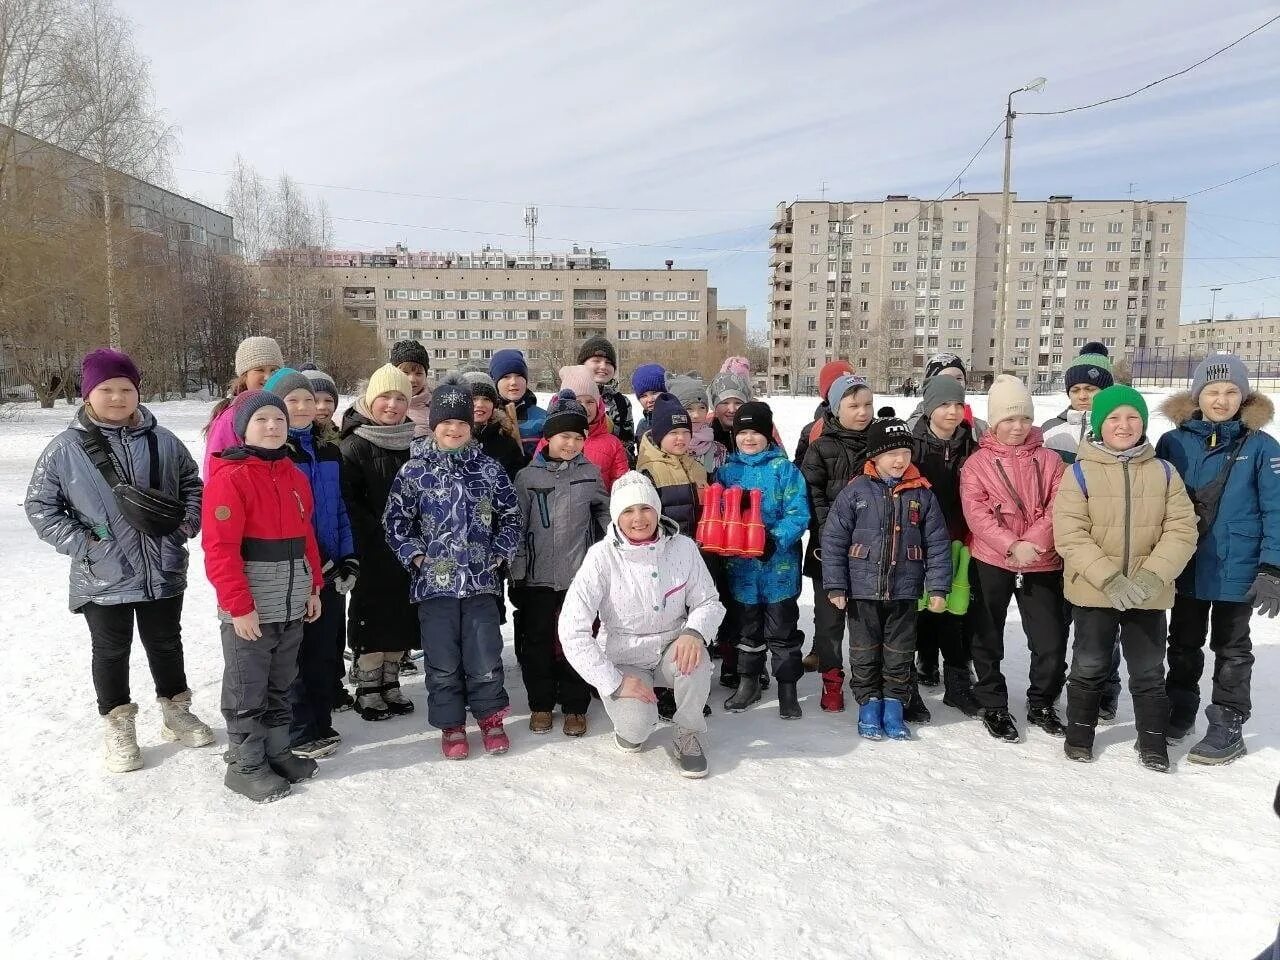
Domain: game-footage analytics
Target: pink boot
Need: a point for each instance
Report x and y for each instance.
(453, 743)
(495, 738)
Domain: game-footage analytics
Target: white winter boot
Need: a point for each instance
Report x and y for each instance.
(181, 724)
(123, 754)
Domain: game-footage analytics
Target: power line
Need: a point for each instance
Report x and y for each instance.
(1148, 86)
(511, 203)
(1224, 183)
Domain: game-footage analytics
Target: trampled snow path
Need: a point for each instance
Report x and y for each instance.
(804, 842)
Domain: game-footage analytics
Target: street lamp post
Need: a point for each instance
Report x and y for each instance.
(1036, 86)
(1213, 307)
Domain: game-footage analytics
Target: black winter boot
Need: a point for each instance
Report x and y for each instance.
(282, 760)
(915, 710)
(1183, 707)
(1082, 724)
(927, 670)
(1151, 717)
(1225, 739)
(788, 702)
(958, 691)
(748, 692)
(248, 773)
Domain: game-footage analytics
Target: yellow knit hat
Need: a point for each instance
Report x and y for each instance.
(387, 379)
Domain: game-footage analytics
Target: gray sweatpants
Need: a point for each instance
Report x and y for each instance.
(256, 676)
(633, 720)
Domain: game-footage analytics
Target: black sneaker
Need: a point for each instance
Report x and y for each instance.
(315, 749)
(1000, 725)
(1047, 719)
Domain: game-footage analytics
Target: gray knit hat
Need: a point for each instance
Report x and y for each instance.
(250, 402)
(481, 384)
(727, 386)
(1220, 368)
(939, 390)
(321, 382)
(257, 352)
(688, 389)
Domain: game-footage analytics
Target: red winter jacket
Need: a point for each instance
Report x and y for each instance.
(602, 448)
(260, 548)
(1007, 494)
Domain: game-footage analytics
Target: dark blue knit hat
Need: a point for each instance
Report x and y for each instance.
(647, 377)
(506, 362)
(668, 414)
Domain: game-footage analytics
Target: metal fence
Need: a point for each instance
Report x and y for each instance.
(1173, 366)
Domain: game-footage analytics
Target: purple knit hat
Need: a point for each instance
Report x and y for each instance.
(104, 364)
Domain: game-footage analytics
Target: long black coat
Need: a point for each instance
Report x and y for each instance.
(830, 462)
(380, 616)
(940, 462)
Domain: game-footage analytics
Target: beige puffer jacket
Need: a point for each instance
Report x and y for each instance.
(1136, 515)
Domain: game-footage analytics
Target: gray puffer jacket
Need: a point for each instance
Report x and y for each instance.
(71, 507)
(565, 510)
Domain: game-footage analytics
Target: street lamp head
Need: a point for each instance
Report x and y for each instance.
(1036, 85)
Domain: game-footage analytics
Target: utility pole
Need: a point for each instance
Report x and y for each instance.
(1002, 282)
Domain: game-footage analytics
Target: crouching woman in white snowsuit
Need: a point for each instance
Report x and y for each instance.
(657, 605)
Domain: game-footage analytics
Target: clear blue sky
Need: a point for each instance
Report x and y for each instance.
(691, 121)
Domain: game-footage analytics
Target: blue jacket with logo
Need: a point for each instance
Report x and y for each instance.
(1246, 532)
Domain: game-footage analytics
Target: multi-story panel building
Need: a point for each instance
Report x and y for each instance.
(1246, 335)
(462, 315)
(731, 331)
(888, 283)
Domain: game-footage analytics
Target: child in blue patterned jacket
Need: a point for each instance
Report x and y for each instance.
(453, 520)
(766, 589)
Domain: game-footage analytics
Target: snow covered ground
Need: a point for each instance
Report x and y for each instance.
(804, 842)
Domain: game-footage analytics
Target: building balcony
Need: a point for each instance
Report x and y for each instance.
(780, 258)
(781, 239)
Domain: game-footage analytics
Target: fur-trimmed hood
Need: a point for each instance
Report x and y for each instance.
(1255, 413)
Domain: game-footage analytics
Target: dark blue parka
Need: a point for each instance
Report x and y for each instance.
(886, 543)
(321, 462)
(1246, 532)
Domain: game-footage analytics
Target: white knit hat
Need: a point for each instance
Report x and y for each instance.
(630, 490)
(1008, 397)
(257, 352)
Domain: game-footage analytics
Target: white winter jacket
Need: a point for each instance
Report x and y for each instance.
(645, 596)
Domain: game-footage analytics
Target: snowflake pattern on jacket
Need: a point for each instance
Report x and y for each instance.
(458, 511)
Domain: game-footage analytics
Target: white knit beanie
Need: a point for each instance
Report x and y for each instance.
(1008, 397)
(257, 352)
(630, 490)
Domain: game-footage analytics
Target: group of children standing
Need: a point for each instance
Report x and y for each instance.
(427, 507)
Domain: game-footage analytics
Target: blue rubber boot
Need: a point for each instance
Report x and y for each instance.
(894, 728)
(869, 720)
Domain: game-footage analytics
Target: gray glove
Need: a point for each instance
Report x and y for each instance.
(1148, 583)
(1123, 593)
(347, 575)
(1264, 595)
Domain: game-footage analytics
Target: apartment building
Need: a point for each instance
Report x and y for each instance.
(888, 283)
(731, 331)
(463, 314)
(1247, 336)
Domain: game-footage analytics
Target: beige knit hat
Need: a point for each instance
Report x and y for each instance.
(1008, 397)
(387, 379)
(257, 352)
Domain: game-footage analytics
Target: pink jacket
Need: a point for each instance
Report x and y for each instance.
(1007, 494)
(222, 434)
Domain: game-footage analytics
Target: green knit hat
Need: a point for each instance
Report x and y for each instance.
(1119, 395)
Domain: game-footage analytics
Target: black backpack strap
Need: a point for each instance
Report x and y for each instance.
(100, 455)
(153, 451)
